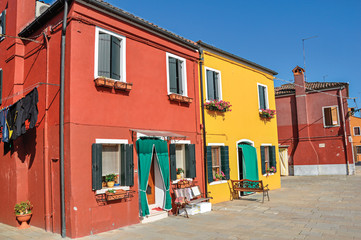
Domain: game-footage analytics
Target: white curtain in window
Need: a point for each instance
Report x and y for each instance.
(110, 162)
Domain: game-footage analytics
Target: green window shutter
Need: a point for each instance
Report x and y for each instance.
(210, 85)
(129, 181)
(115, 59)
(123, 165)
(261, 95)
(216, 83)
(179, 76)
(263, 160)
(190, 160)
(172, 65)
(173, 162)
(1, 85)
(272, 157)
(3, 23)
(97, 166)
(104, 55)
(225, 161)
(209, 164)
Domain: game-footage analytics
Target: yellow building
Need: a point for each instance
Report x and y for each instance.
(240, 143)
(355, 123)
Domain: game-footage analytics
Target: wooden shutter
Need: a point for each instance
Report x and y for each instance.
(123, 165)
(173, 162)
(334, 116)
(180, 76)
(262, 97)
(97, 166)
(115, 59)
(225, 161)
(172, 65)
(263, 160)
(104, 55)
(272, 157)
(1, 85)
(190, 160)
(129, 166)
(210, 86)
(209, 164)
(3, 23)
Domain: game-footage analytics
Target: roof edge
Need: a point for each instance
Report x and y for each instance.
(253, 64)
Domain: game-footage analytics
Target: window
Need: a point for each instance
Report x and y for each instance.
(2, 24)
(182, 156)
(112, 158)
(356, 131)
(176, 75)
(268, 159)
(358, 149)
(109, 55)
(262, 96)
(217, 162)
(330, 116)
(213, 84)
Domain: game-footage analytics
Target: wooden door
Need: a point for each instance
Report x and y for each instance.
(284, 161)
(151, 185)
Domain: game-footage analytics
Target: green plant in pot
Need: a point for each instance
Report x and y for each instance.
(110, 179)
(23, 212)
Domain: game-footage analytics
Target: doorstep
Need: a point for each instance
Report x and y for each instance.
(154, 215)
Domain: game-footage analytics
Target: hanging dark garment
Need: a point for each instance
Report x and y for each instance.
(3, 124)
(12, 117)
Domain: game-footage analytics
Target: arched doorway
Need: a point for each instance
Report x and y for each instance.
(247, 160)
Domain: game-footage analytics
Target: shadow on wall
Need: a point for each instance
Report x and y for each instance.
(25, 146)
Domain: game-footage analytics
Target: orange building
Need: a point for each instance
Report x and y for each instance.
(355, 123)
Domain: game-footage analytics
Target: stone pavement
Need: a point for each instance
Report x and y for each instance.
(317, 207)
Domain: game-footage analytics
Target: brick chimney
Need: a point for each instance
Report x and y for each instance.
(299, 76)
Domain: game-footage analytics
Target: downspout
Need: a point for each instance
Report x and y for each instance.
(201, 59)
(61, 118)
(344, 130)
(47, 189)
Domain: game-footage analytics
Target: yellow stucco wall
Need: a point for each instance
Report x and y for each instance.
(239, 87)
(356, 140)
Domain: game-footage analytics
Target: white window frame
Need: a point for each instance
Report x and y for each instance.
(184, 73)
(219, 82)
(1, 29)
(115, 142)
(266, 96)
(123, 73)
(324, 119)
(355, 133)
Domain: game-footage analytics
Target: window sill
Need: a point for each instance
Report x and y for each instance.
(187, 179)
(102, 191)
(179, 98)
(268, 174)
(218, 182)
(332, 126)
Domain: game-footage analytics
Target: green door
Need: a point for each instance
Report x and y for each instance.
(249, 162)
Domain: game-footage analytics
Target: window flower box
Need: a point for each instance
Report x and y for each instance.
(180, 98)
(267, 113)
(218, 105)
(112, 195)
(123, 86)
(104, 82)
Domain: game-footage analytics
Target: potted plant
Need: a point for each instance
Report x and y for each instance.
(220, 176)
(23, 212)
(180, 172)
(110, 180)
(267, 113)
(218, 105)
(272, 170)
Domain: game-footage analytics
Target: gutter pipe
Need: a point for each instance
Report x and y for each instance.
(344, 130)
(201, 59)
(61, 118)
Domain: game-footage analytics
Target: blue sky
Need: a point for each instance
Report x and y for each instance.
(270, 33)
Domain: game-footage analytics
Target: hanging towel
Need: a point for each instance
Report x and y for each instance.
(3, 124)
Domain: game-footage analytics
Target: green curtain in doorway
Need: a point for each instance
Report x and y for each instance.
(250, 165)
(161, 148)
(145, 148)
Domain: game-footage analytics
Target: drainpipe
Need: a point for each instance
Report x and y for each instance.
(47, 189)
(203, 120)
(61, 118)
(344, 130)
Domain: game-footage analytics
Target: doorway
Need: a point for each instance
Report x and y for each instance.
(151, 185)
(247, 162)
(284, 161)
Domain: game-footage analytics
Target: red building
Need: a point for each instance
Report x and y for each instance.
(313, 126)
(125, 78)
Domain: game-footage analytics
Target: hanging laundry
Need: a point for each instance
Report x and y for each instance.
(24, 109)
(3, 124)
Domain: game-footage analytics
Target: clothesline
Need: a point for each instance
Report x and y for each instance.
(28, 89)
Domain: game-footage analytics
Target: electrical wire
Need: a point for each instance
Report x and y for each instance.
(308, 88)
(22, 38)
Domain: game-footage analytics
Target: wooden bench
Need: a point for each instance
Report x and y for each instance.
(246, 185)
(188, 195)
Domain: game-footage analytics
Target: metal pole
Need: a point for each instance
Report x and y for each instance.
(344, 130)
(61, 116)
